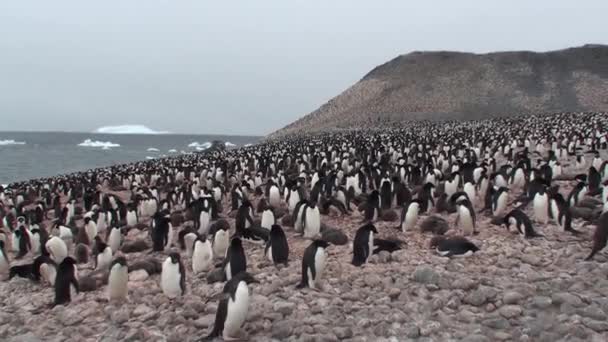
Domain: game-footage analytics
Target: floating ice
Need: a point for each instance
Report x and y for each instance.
(103, 144)
(149, 158)
(128, 129)
(153, 149)
(172, 150)
(11, 142)
(200, 146)
(248, 145)
(229, 144)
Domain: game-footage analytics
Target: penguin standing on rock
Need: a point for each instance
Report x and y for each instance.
(499, 201)
(518, 222)
(235, 261)
(115, 239)
(363, 244)
(57, 249)
(313, 264)
(221, 239)
(118, 279)
(232, 309)
(173, 276)
(311, 221)
(600, 237)
(202, 255)
(102, 253)
(541, 206)
(4, 261)
(160, 232)
(66, 281)
(277, 248)
(466, 217)
(409, 215)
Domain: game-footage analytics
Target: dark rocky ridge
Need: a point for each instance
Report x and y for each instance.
(457, 85)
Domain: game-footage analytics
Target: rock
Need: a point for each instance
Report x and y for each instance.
(394, 293)
(566, 298)
(216, 276)
(141, 309)
(429, 328)
(120, 316)
(510, 311)
(287, 221)
(27, 337)
(284, 308)
(597, 326)
(541, 302)
(464, 284)
(389, 215)
(204, 322)
(412, 331)
(334, 236)
(69, 317)
(512, 297)
(372, 280)
(593, 312)
(425, 275)
(502, 336)
(384, 257)
(138, 275)
(434, 224)
(478, 297)
(343, 332)
(282, 330)
(531, 259)
(496, 323)
(134, 247)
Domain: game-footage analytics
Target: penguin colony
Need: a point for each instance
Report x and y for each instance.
(201, 215)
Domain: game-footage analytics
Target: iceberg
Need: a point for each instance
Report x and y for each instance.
(247, 145)
(153, 149)
(149, 158)
(172, 150)
(229, 144)
(96, 143)
(11, 142)
(127, 129)
(198, 146)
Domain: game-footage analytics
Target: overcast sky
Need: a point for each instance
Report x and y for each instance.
(240, 67)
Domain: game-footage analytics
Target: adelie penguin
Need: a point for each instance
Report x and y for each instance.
(313, 264)
(561, 214)
(66, 281)
(114, 239)
(4, 261)
(57, 249)
(268, 219)
(541, 206)
(600, 236)
(102, 254)
(277, 248)
(235, 261)
(118, 280)
(499, 201)
(21, 242)
(518, 222)
(311, 221)
(363, 244)
(202, 255)
(409, 216)
(453, 246)
(173, 276)
(578, 193)
(160, 232)
(232, 309)
(466, 217)
(221, 239)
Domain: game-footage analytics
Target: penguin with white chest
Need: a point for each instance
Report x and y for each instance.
(4, 261)
(118, 280)
(311, 221)
(541, 206)
(173, 276)
(499, 201)
(313, 264)
(233, 307)
(202, 255)
(363, 244)
(268, 218)
(466, 217)
(90, 228)
(453, 246)
(57, 248)
(115, 239)
(277, 248)
(518, 222)
(409, 216)
(66, 281)
(44, 269)
(102, 254)
(221, 239)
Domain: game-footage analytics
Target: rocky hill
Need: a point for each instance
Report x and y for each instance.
(457, 85)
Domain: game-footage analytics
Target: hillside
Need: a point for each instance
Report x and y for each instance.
(456, 85)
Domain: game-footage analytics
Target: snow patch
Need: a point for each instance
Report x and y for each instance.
(11, 142)
(128, 129)
(106, 145)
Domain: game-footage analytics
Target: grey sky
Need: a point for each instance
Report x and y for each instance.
(246, 68)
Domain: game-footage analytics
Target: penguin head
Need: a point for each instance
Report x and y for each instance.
(175, 257)
(321, 243)
(87, 220)
(121, 260)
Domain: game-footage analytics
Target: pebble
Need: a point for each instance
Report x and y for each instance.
(425, 275)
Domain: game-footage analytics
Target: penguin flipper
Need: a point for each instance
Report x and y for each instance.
(220, 317)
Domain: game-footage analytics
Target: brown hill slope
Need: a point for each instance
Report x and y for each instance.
(458, 85)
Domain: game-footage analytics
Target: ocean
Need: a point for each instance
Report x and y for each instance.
(28, 155)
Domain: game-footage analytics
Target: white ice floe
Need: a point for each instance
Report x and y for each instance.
(172, 150)
(128, 129)
(96, 143)
(229, 144)
(149, 158)
(248, 145)
(200, 146)
(11, 142)
(153, 149)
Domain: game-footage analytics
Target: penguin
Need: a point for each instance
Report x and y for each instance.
(204, 220)
(298, 212)
(235, 261)
(81, 253)
(21, 241)
(221, 240)
(372, 206)
(233, 307)
(38, 237)
(173, 276)
(453, 246)
(499, 201)
(363, 244)
(202, 255)
(466, 217)
(277, 248)
(600, 236)
(268, 219)
(386, 193)
(118, 280)
(90, 228)
(541, 206)
(274, 196)
(44, 270)
(66, 281)
(102, 254)
(469, 189)
(578, 193)
(115, 239)
(313, 264)
(311, 221)
(131, 218)
(57, 249)
(561, 214)
(4, 261)
(409, 215)
(160, 232)
(518, 222)
(186, 239)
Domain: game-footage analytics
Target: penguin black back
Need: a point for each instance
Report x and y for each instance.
(66, 277)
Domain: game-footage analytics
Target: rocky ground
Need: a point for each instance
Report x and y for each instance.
(513, 289)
